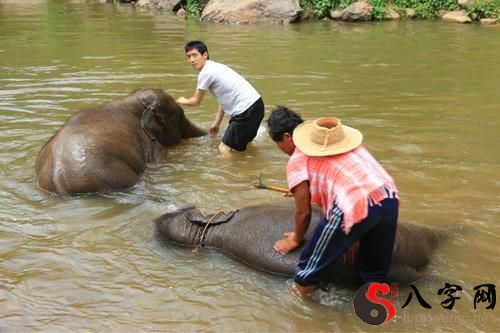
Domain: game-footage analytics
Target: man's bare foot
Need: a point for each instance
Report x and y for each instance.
(305, 291)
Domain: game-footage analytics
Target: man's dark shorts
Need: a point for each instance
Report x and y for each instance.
(243, 128)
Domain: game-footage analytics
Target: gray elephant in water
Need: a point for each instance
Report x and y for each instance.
(108, 147)
(248, 235)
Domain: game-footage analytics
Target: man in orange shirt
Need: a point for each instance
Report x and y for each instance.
(329, 166)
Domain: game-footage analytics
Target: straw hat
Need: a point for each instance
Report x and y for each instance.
(326, 136)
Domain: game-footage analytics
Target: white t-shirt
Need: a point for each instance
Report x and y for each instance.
(233, 93)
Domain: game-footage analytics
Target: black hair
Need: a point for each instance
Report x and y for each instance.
(282, 120)
(196, 44)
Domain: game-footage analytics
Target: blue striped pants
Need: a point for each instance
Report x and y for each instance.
(376, 235)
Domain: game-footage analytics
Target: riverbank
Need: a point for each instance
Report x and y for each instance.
(292, 11)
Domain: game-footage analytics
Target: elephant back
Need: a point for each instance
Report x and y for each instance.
(105, 148)
(415, 244)
(248, 235)
(251, 233)
(195, 216)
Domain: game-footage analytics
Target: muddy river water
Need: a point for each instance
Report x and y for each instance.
(425, 95)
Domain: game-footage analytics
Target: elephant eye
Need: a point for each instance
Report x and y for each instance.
(160, 120)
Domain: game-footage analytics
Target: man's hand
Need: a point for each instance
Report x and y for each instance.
(181, 100)
(287, 244)
(194, 100)
(214, 130)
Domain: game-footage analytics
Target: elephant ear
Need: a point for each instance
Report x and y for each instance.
(194, 216)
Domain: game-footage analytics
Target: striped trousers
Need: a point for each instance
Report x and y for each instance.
(376, 235)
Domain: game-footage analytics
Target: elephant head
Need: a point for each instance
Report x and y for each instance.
(188, 227)
(163, 119)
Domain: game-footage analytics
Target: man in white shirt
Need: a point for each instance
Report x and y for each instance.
(233, 93)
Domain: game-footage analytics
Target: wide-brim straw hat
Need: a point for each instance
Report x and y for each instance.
(326, 136)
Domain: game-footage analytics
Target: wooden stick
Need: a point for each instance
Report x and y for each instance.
(272, 188)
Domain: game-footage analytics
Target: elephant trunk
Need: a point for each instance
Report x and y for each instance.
(190, 130)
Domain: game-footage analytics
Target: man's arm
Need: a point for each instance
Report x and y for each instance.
(214, 129)
(194, 100)
(302, 218)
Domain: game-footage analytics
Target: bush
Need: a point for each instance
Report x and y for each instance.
(320, 8)
(484, 9)
(379, 11)
(193, 7)
(343, 3)
(424, 8)
(427, 8)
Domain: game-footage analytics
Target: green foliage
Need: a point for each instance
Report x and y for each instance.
(321, 8)
(424, 8)
(308, 7)
(484, 9)
(344, 3)
(193, 7)
(427, 8)
(379, 11)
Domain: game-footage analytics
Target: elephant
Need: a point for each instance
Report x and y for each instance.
(248, 235)
(108, 147)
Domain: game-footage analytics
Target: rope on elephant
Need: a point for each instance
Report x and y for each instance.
(201, 238)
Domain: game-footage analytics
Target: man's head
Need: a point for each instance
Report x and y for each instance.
(197, 54)
(281, 124)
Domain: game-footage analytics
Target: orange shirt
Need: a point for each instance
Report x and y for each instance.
(351, 180)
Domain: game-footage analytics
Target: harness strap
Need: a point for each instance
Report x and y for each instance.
(201, 238)
(146, 116)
